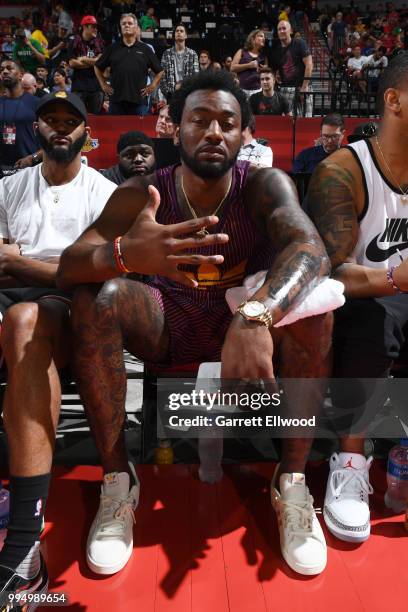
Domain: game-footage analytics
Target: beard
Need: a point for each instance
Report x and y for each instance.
(62, 154)
(207, 170)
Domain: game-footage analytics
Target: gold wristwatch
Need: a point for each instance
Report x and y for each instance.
(256, 311)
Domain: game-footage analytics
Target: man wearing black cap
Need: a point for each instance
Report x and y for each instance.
(136, 157)
(42, 209)
(84, 52)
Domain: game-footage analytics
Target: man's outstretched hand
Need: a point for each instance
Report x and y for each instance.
(151, 248)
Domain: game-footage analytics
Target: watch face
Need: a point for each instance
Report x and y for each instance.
(254, 309)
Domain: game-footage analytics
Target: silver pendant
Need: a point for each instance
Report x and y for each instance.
(404, 198)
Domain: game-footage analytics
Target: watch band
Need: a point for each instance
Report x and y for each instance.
(265, 318)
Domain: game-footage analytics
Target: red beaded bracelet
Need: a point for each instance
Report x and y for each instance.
(119, 261)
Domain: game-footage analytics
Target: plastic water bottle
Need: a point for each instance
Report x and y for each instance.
(397, 477)
(4, 512)
(163, 454)
(210, 453)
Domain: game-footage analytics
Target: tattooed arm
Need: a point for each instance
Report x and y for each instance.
(335, 200)
(300, 263)
(301, 259)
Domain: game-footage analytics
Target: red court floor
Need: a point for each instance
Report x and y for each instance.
(215, 548)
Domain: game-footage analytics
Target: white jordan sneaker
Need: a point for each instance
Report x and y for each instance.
(110, 540)
(301, 537)
(346, 511)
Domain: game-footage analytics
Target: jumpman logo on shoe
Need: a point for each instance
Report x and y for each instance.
(349, 464)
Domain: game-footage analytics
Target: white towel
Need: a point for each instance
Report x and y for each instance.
(327, 296)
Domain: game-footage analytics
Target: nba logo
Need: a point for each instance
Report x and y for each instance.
(38, 508)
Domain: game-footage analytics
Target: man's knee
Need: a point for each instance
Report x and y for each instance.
(314, 334)
(90, 301)
(20, 321)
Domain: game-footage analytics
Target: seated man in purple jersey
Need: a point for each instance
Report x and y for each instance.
(200, 226)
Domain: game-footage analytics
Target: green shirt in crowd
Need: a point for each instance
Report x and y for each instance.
(147, 22)
(23, 54)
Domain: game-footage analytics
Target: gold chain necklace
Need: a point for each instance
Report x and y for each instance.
(203, 232)
(404, 194)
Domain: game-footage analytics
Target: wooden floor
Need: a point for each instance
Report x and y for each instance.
(215, 548)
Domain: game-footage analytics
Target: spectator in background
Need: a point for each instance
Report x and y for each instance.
(59, 48)
(28, 52)
(129, 61)
(60, 81)
(253, 151)
(226, 62)
(165, 127)
(355, 67)
(42, 73)
(7, 45)
(313, 15)
(149, 21)
(339, 34)
(295, 65)
(284, 14)
(64, 18)
(41, 89)
(248, 61)
(178, 62)
(331, 137)
(373, 67)
(85, 50)
(205, 61)
(268, 101)
(17, 113)
(135, 158)
(29, 83)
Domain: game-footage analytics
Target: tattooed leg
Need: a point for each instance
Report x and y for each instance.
(121, 314)
(304, 353)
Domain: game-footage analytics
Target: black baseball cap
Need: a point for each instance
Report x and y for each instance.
(63, 96)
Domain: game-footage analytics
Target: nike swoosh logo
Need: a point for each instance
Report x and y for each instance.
(374, 253)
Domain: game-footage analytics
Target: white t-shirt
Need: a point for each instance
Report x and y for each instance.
(374, 66)
(256, 153)
(42, 219)
(357, 64)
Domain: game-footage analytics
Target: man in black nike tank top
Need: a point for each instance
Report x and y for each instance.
(358, 199)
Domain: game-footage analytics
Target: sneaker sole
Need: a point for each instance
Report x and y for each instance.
(109, 569)
(359, 538)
